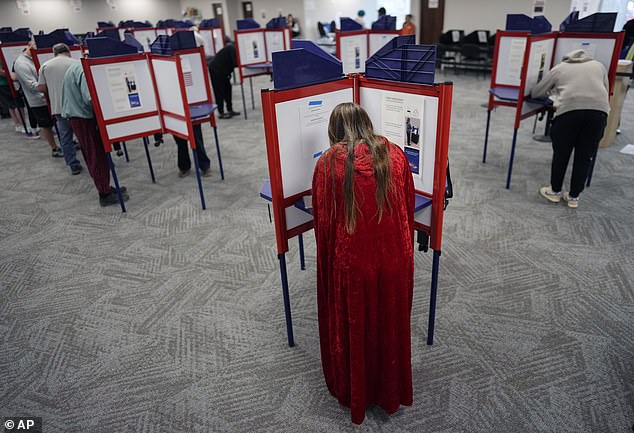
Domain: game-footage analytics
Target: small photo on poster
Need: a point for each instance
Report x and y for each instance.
(133, 94)
(123, 87)
(413, 157)
(412, 130)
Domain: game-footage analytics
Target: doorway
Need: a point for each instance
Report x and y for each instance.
(216, 8)
(432, 16)
(247, 10)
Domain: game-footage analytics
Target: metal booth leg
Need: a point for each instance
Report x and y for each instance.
(146, 142)
(125, 151)
(287, 300)
(432, 298)
(252, 98)
(302, 261)
(21, 113)
(222, 172)
(244, 103)
(508, 176)
(486, 137)
(200, 183)
(116, 181)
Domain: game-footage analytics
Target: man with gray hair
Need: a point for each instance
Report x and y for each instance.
(51, 82)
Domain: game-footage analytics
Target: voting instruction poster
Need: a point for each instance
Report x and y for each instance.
(401, 118)
(123, 88)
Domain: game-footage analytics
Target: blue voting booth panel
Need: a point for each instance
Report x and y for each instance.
(601, 22)
(402, 60)
(349, 25)
(59, 36)
(109, 33)
(131, 40)
(209, 23)
(277, 23)
(20, 35)
(247, 24)
(524, 23)
(105, 24)
(303, 65)
(165, 45)
(161, 46)
(106, 47)
(386, 22)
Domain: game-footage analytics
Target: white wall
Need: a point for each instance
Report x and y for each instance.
(471, 15)
(49, 15)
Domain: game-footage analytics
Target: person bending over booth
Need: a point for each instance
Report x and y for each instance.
(363, 209)
(580, 87)
(50, 82)
(26, 74)
(77, 108)
(220, 69)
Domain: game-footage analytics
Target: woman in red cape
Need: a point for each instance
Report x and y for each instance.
(363, 208)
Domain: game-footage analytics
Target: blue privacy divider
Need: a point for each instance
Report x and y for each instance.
(601, 22)
(107, 47)
(59, 36)
(386, 22)
(277, 23)
(208, 24)
(247, 24)
(103, 24)
(303, 65)
(109, 33)
(19, 35)
(524, 23)
(183, 40)
(132, 41)
(161, 45)
(402, 60)
(349, 25)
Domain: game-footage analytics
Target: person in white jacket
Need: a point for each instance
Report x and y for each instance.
(579, 85)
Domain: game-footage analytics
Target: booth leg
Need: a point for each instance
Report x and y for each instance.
(21, 113)
(200, 183)
(146, 142)
(508, 176)
(269, 208)
(252, 98)
(116, 181)
(594, 160)
(125, 151)
(432, 298)
(486, 137)
(244, 103)
(535, 123)
(287, 300)
(222, 172)
(59, 136)
(302, 261)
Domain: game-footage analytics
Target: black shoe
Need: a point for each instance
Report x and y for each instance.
(224, 116)
(57, 153)
(75, 170)
(123, 189)
(111, 199)
(233, 113)
(119, 152)
(158, 140)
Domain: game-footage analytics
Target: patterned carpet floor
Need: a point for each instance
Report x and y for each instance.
(169, 319)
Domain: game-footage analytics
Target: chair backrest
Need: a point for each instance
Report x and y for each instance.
(320, 28)
(471, 51)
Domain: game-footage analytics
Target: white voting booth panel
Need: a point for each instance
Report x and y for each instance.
(145, 37)
(511, 51)
(252, 48)
(539, 63)
(170, 96)
(194, 71)
(353, 52)
(10, 54)
(599, 49)
(45, 57)
(214, 41)
(302, 139)
(274, 42)
(378, 40)
(125, 89)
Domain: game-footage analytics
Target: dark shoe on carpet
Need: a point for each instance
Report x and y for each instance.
(183, 173)
(234, 113)
(123, 189)
(57, 153)
(224, 116)
(75, 170)
(111, 199)
(119, 152)
(206, 173)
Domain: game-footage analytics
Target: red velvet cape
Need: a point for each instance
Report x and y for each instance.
(365, 282)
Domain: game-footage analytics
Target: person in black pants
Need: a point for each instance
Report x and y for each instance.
(184, 162)
(221, 68)
(579, 85)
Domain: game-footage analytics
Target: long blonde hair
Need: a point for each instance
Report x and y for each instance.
(349, 126)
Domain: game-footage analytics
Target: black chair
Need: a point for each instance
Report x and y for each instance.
(321, 30)
(472, 57)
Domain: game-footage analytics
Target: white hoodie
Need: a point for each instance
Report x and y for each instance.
(577, 83)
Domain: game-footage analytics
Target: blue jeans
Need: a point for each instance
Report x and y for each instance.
(66, 141)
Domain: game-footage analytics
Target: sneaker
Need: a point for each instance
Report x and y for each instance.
(20, 129)
(183, 173)
(57, 153)
(75, 170)
(573, 202)
(550, 195)
(206, 173)
(111, 199)
(31, 135)
(233, 113)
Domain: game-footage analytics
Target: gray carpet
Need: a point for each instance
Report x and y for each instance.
(169, 318)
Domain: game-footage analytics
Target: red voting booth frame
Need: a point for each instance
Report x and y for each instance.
(12, 83)
(279, 203)
(522, 97)
(264, 68)
(367, 32)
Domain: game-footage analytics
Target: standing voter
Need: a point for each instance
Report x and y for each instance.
(50, 82)
(580, 87)
(221, 68)
(77, 107)
(363, 209)
(26, 74)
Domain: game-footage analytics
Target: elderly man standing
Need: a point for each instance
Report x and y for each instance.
(26, 74)
(50, 82)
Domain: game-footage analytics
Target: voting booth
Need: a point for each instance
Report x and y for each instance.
(416, 117)
(11, 46)
(254, 50)
(45, 43)
(520, 61)
(214, 36)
